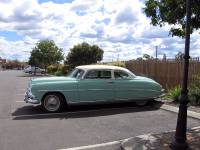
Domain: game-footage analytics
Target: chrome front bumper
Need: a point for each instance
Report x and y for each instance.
(29, 98)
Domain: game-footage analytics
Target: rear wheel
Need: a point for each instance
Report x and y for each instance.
(141, 102)
(53, 102)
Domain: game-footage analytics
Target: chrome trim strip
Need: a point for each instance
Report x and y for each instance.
(113, 100)
(56, 90)
(97, 90)
(80, 90)
(92, 101)
(138, 90)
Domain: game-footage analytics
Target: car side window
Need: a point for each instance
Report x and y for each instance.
(98, 74)
(121, 75)
(93, 74)
(105, 75)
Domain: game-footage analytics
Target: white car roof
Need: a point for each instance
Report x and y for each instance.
(91, 67)
(88, 67)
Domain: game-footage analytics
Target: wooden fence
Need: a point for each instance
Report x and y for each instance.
(166, 72)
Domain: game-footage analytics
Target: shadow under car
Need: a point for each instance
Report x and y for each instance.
(82, 111)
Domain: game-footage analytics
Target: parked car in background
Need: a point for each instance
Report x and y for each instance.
(92, 83)
(32, 69)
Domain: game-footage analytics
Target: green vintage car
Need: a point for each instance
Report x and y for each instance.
(91, 83)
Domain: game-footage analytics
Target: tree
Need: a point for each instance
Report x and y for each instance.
(164, 57)
(147, 57)
(84, 54)
(173, 12)
(45, 53)
(34, 58)
(14, 64)
(179, 56)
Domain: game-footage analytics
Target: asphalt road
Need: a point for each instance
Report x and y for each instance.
(26, 127)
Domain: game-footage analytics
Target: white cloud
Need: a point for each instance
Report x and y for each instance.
(15, 50)
(117, 26)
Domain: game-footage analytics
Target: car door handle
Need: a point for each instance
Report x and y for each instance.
(110, 82)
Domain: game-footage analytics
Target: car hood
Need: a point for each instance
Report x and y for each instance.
(51, 79)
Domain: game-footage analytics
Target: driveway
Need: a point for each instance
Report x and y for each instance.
(27, 127)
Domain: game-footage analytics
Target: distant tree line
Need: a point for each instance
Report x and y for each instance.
(178, 56)
(14, 64)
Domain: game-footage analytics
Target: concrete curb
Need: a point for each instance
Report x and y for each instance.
(115, 145)
(175, 109)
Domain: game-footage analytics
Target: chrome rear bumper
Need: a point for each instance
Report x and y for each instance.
(162, 93)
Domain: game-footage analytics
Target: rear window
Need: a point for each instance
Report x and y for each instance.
(121, 75)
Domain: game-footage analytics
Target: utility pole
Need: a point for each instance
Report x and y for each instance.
(112, 57)
(180, 140)
(156, 52)
(118, 58)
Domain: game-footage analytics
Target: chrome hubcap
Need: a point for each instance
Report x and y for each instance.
(52, 103)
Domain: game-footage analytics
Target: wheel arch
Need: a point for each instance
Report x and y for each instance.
(56, 92)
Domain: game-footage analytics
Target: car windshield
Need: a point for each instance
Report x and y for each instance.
(76, 73)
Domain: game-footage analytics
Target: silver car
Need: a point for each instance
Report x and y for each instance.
(32, 69)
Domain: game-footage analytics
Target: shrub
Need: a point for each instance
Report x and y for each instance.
(174, 93)
(52, 69)
(63, 69)
(194, 96)
(58, 70)
(58, 73)
(194, 91)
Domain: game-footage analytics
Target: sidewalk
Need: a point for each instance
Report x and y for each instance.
(193, 114)
(160, 141)
(176, 104)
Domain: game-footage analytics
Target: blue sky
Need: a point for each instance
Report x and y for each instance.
(116, 26)
(11, 35)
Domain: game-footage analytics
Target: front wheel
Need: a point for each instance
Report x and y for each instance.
(53, 102)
